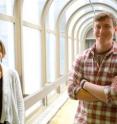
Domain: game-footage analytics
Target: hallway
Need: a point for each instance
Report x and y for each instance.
(42, 39)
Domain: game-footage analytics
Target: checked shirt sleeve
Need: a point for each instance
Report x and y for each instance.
(74, 78)
(111, 94)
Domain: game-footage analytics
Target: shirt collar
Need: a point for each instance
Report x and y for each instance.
(113, 50)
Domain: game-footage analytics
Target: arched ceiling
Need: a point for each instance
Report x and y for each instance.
(78, 12)
(77, 16)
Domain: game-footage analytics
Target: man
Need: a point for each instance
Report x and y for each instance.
(93, 79)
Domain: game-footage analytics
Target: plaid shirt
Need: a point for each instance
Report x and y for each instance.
(85, 67)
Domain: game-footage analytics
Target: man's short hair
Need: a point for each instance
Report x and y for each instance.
(104, 15)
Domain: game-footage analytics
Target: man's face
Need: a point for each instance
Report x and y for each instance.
(104, 30)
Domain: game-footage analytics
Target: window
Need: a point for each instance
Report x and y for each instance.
(6, 7)
(62, 53)
(50, 45)
(31, 60)
(32, 15)
(70, 52)
(7, 36)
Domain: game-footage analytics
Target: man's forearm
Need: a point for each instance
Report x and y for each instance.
(96, 90)
(85, 96)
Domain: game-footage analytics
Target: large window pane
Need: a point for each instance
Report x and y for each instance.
(70, 52)
(31, 60)
(62, 53)
(7, 36)
(54, 11)
(77, 4)
(75, 47)
(50, 45)
(51, 17)
(6, 7)
(32, 10)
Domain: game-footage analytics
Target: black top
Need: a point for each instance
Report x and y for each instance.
(1, 96)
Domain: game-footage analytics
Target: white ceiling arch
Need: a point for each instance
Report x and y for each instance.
(84, 27)
(81, 41)
(63, 10)
(68, 6)
(79, 24)
(74, 5)
(102, 7)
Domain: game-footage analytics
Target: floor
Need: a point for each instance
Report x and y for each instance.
(66, 114)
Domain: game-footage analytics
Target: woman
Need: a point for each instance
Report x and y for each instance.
(11, 100)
